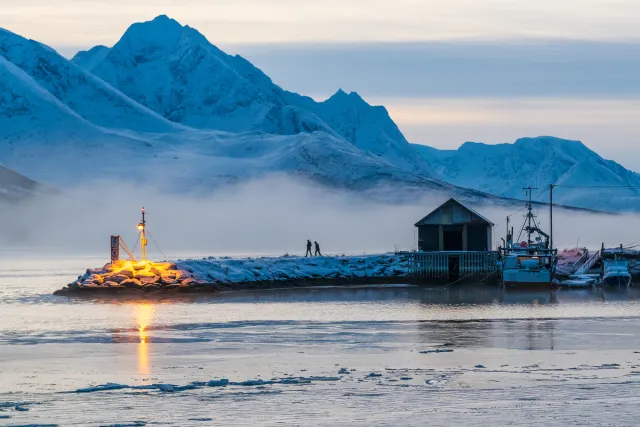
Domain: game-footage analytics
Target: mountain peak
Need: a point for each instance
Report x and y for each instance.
(347, 98)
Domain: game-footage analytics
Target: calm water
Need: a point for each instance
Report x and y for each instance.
(354, 356)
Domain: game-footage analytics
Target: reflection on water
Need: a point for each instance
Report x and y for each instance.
(143, 313)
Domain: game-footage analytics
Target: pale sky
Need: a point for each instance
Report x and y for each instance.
(82, 22)
(447, 70)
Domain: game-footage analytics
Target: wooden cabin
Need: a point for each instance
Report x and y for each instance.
(454, 227)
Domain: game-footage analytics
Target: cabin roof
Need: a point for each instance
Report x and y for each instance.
(454, 201)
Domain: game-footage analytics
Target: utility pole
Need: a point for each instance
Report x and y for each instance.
(551, 215)
(143, 238)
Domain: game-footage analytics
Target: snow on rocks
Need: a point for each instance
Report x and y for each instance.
(232, 270)
(217, 273)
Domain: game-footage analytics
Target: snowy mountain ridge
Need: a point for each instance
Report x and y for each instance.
(176, 72)
(165, 106)
(505, 169)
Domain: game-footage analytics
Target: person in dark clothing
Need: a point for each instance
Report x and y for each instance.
(308, 249)
(317, 249)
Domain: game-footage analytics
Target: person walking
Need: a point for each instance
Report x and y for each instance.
(317, 249)
(308, 249)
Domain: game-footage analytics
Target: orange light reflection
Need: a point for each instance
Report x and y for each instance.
(143, 314)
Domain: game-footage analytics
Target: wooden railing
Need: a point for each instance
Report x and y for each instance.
(453, 266)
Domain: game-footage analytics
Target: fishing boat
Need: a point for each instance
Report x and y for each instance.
(616, 273)
(528, 261)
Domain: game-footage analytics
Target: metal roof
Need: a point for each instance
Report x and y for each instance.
(452, 200)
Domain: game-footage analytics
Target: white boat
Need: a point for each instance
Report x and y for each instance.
(616, 273)
(531, 263)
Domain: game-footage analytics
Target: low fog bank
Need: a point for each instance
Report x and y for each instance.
(272, 216)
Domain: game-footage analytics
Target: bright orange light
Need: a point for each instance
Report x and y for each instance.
(140, 227)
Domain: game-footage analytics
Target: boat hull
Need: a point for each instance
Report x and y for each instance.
(617, 281)
(530, 285)
(528, 279)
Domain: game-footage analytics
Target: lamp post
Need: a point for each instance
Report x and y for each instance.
(143, 239)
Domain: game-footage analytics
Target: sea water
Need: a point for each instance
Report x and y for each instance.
(389, 355)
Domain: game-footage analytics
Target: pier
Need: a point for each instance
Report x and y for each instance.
(454, 266)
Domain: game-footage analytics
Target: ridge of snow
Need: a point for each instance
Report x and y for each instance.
(81, 91)
(505, 169)
(175, 71)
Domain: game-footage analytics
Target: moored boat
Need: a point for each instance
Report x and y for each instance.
(616, 273)
(531, 263)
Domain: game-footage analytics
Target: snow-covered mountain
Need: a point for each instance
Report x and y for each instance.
(17, 187)
(505, 169)
(79, 90)
(175, 71)
(55, 140)
(165, 106)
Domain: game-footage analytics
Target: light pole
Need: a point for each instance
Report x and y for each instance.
(143, 239)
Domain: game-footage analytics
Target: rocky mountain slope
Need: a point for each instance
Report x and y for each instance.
(505, 169)
(165, 106)
(175, 71)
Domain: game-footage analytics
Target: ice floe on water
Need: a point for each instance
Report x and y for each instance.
(438, 350)
(223, 382)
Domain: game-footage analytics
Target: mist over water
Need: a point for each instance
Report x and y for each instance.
(271, 216)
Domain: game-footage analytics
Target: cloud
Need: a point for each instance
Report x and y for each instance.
(270, 217)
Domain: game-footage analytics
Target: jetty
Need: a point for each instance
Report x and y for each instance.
(215, 274)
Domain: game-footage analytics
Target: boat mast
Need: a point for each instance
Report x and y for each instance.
(530, 215)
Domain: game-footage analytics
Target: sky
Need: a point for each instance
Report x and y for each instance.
(447, 71)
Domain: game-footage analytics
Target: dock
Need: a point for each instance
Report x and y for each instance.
(454, 266)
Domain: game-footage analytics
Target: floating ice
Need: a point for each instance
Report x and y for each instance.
(102, 387)
(218, 383)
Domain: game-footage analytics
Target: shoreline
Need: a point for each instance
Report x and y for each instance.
(216, 288)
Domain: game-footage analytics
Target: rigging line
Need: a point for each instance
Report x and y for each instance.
(596, 186)
(518, 211)
(136, 245)
(154, 242)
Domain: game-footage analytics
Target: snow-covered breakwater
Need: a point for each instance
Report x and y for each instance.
(215, 274)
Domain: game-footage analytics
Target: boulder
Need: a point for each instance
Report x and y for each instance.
(188, 282)
(73, 285)
(150, 280)
(168, 280)
(181, 274)
(164, 265)
(139, 266)
(127, 273)
(112, 284)
(141, 274)
(118, 278)
(155, 271)
(131, 283)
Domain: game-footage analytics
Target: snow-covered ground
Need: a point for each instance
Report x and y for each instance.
(230, 270)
